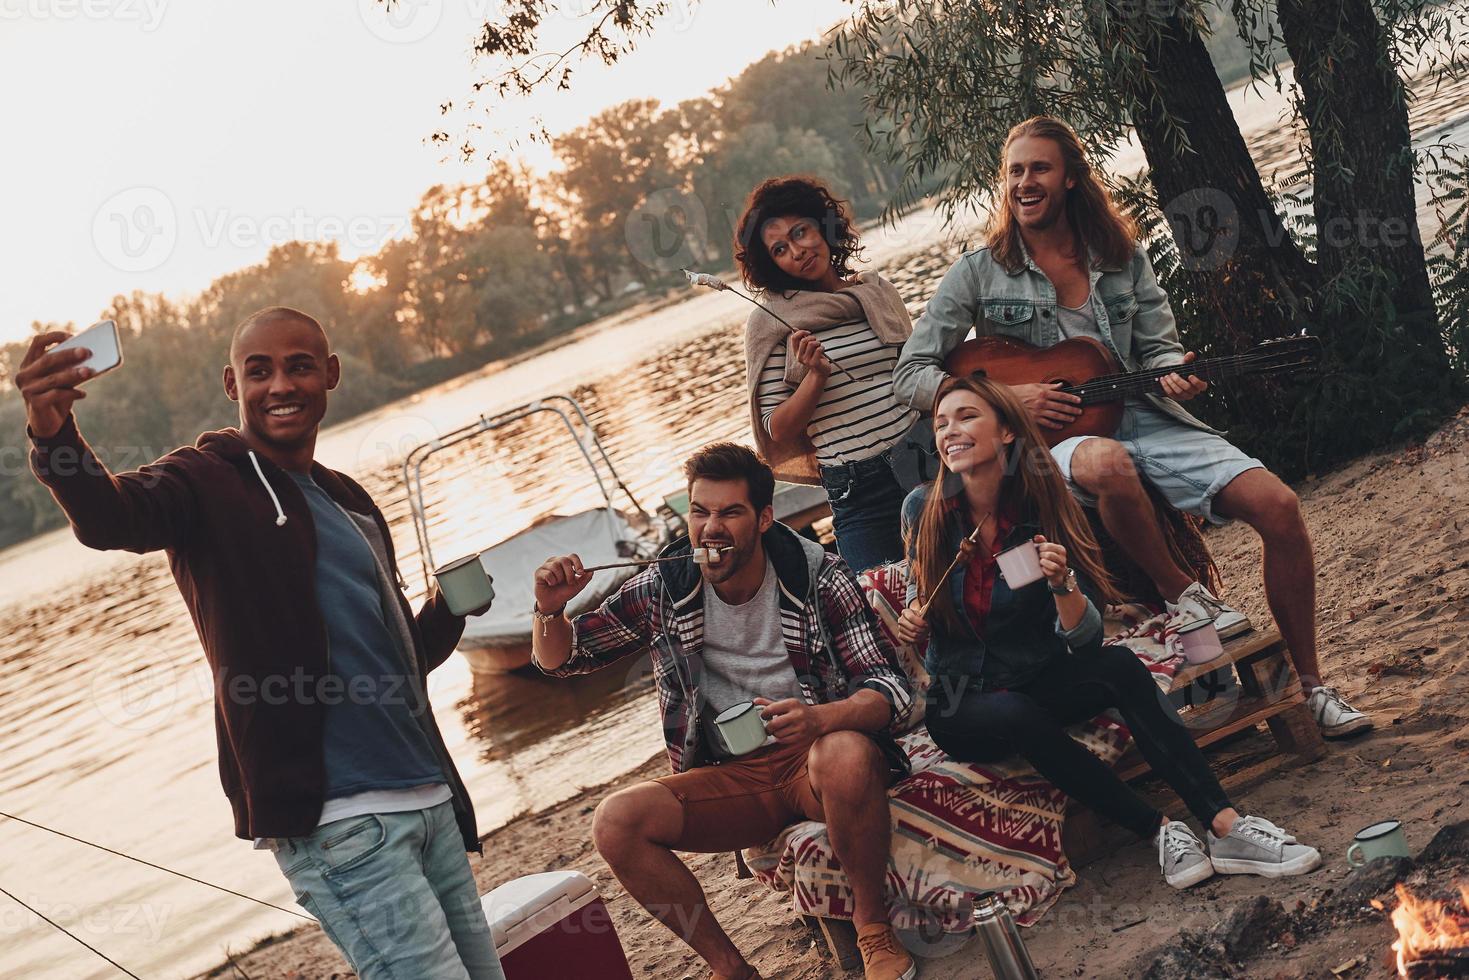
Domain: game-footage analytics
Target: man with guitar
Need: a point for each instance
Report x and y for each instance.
(1061, 262)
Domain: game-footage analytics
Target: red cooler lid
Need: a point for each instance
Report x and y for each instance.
(526, 907)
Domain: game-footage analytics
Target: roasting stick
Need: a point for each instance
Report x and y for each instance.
(702, 556)
(714, 282)
(963, 552)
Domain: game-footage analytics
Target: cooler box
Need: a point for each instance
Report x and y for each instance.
(554, 926)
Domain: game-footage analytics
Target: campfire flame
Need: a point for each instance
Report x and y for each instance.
(1428, 927)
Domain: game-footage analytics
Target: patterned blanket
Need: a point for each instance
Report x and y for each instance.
(960, 830)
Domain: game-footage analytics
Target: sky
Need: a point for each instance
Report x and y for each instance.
(156, 144)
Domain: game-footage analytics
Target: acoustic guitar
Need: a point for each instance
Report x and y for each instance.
(1086, 368)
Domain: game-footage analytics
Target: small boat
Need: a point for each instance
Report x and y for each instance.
(499, 641)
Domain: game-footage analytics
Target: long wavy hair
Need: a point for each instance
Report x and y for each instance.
(1099, 226)
(1031, 488)
(792, 197)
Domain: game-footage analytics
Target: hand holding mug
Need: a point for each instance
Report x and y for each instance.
(791, 721)
(558, 581)
(1053, 560)
(912, 629)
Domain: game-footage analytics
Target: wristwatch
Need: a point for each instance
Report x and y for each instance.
(1067, 587)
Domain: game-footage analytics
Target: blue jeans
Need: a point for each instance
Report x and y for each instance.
(866, 505)
(394, 892)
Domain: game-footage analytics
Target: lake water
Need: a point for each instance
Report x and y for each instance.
(105, 713)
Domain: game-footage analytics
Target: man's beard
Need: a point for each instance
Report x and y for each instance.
(730, 562)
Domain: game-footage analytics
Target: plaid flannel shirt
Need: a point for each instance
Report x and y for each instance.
(832, 641)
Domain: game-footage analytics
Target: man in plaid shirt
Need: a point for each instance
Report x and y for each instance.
(777, 621)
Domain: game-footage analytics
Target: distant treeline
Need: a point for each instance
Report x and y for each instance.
(488, 269)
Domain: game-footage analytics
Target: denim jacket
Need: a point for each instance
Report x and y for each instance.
(1131, 311)
(1022, 627)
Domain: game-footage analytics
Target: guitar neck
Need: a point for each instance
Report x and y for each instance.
(1114, 386)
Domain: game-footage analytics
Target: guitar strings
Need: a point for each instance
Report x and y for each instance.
(1144, 380)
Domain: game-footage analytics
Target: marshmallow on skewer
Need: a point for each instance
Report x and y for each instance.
(709, 556)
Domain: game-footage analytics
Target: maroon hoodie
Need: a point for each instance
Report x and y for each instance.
(242, 547)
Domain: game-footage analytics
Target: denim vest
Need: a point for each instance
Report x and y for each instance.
(1022, 631)
(978, 293)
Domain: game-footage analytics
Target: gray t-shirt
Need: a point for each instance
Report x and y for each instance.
(744, 653)
(1078, 321)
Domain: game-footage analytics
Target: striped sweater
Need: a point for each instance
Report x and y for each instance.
(854, 420)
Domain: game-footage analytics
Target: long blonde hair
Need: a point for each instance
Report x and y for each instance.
(1032, 488)
(1099, 226)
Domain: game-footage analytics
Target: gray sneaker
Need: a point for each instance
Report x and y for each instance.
(1181, 855)
(1255, 846)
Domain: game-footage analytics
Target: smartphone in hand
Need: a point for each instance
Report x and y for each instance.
(103, 341)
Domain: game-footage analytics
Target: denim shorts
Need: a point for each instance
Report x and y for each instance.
(1187, 465)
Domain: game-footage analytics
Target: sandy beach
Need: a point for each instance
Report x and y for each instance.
(1392, 545)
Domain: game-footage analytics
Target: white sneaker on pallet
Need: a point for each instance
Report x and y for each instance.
(1198, 603)
(1336, 718)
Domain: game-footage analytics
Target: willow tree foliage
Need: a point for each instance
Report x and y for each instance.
(1342, 255)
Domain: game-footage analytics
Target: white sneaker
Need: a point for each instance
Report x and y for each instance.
(1255, 846)
(1336, 718)
(1181, 855)
(1198, 603)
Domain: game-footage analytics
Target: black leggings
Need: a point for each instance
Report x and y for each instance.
(985, 726)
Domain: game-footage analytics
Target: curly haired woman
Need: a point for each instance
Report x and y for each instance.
(795, 243)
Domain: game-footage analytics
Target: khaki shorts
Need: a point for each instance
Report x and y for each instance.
(743, 802)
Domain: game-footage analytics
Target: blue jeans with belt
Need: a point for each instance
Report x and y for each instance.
(866, 504)
(395, 893)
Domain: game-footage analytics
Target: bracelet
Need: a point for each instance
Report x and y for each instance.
(543, 619)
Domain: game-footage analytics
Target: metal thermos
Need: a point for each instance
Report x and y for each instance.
(1007, 954)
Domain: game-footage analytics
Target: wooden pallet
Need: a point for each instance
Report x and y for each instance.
(1268, 691)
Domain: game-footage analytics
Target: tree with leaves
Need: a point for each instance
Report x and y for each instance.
(943, 81)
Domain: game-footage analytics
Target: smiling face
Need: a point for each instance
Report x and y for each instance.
(1036, 182)
(720, 514)
(968, 432)
(280, 371)
(797, 247)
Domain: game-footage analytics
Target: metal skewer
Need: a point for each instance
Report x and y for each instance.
(719, 552)
(973, 538)
(714, 282)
